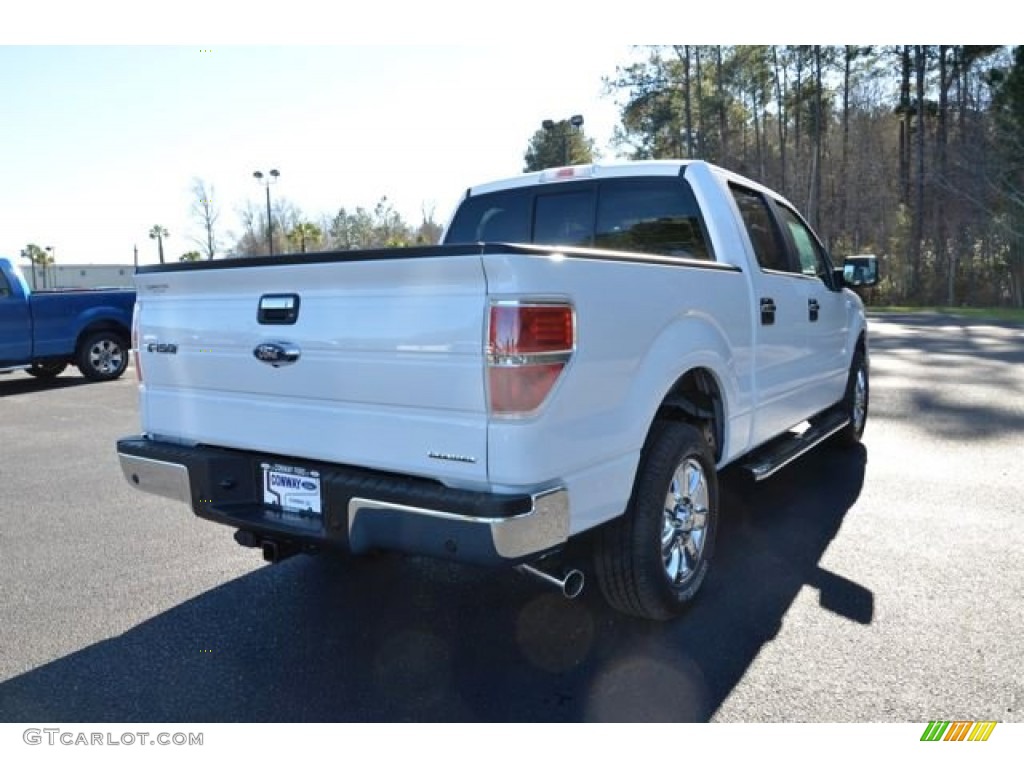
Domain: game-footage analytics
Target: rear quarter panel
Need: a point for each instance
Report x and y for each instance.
(640, 326)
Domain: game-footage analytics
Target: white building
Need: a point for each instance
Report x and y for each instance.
(63, 276)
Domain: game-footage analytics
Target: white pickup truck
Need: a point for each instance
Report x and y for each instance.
(585, 351)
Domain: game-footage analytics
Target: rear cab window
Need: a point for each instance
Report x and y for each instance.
(564, 218)
(498, 217)
(655, 215)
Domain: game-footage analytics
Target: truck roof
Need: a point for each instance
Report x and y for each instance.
(587, 171)
(664, 167)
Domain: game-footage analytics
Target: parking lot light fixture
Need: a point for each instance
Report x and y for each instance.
(266, 181)
(574, 124)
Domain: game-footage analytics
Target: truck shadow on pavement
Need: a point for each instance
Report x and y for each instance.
(408, 639)
(958, 352)
(11, 385)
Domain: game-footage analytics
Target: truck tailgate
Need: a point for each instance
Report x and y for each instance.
(388, 370)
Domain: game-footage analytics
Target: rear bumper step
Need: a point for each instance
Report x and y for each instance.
(769, 459)
(361, 509)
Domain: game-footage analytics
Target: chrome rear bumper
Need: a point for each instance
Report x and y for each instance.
(362, 509)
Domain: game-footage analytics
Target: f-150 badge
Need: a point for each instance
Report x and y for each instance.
(276, 353)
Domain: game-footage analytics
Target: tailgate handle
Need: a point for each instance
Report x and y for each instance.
(278, 309)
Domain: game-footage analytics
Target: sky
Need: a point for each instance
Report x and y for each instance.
(108, 113)
(100, 143)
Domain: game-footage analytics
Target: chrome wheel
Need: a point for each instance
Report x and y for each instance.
(652, 561)
(860, 399)
(856, 401)
(106, 356)
(102, 356)
(684, 521)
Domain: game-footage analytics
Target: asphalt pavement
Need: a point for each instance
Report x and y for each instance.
(883, 583)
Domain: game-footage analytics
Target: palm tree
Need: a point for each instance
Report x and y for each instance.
(37, 257)
(158, 233)
(45, 259)
(305, 231)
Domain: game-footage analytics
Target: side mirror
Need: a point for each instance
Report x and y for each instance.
(860, 271)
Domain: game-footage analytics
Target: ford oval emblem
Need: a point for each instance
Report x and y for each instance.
(276, 353)
(308, 485)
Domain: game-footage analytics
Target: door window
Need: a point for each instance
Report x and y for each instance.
(808, 250)
(760, 226)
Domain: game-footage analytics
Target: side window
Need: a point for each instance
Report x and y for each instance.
(502, 217)
(5, 289)
(565, 218)
(650, 216)
(812, 257)
(757, 218)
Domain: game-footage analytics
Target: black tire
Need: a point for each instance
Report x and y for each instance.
(46, 370)
(855, 401)
(103, 356)
(632, 562)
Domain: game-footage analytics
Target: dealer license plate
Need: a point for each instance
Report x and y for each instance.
(293, 489)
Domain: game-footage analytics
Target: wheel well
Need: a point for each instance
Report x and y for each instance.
(102, 325)
(697, 398)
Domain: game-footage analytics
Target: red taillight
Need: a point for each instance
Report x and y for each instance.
(528, 347)
(530, 329)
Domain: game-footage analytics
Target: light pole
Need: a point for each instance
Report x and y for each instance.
(266, 182)
(576, 121)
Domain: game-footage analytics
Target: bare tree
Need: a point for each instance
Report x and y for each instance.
(781, 88)
(429, 230)
(904, 111)
(206, 213)
(683, 52)
(917, 232)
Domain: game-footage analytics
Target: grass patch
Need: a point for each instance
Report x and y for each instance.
(974, 313)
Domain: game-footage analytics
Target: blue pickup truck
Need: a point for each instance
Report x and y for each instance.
(42, 333)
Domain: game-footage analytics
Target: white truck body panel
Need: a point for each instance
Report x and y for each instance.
(391, 367)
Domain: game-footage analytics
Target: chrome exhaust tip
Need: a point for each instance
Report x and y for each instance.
(570, 585)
